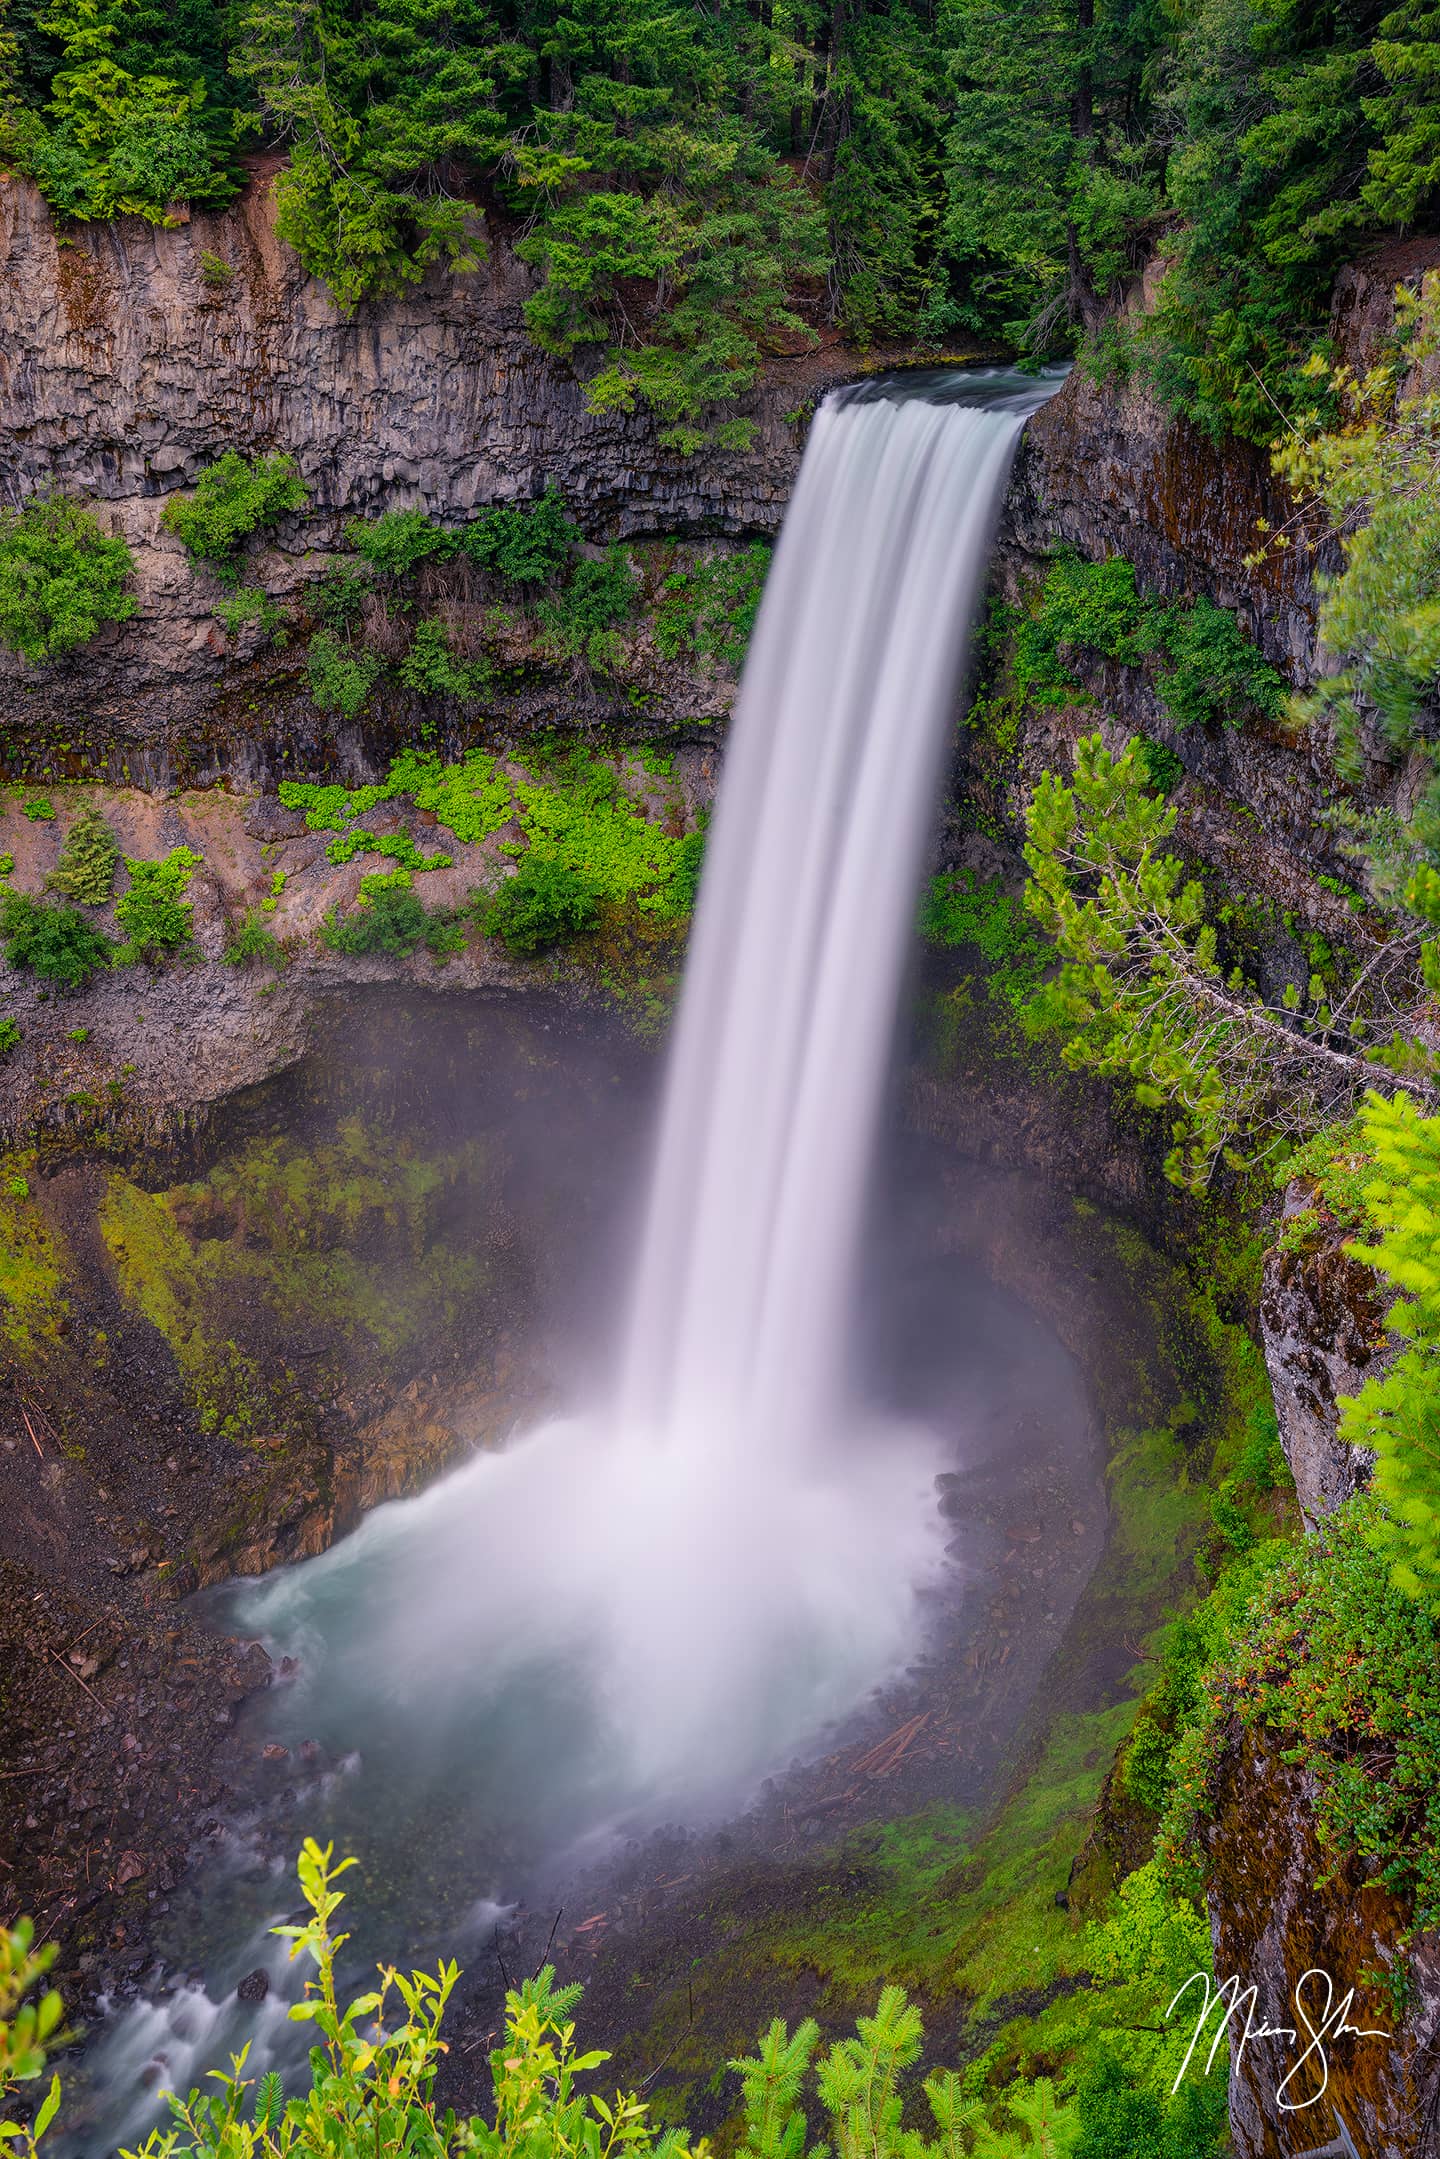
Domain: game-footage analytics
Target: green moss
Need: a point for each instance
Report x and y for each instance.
(34, 1264)
(337, 1238)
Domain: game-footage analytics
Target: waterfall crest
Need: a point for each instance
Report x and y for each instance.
(653, 1605)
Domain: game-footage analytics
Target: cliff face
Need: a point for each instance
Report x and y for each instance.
(123, 372)
(1279, 1909)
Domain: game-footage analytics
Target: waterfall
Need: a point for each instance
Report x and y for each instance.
(741, 1303)
(654, 1604)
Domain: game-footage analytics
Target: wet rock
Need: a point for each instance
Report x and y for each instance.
(254, 1986)
(268, 819)
(1322, 1326)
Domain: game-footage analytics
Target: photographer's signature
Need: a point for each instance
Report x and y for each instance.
(1324, 2012)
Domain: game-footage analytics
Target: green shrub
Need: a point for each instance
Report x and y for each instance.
(709, 612)
(432, 668)
(61, 578)
(545, 902)
(579, 622)
(39, 809)
(961, 909)
(523, 543)
(231, 500)
(1214, 671)
(247, 605)
(253, 940)
(54, 942)
(338, 598)
(341, 677)
(1161, 770)
(11, 1034)
(86, 869)
(153, 912)
(395, 543)
(392, 921)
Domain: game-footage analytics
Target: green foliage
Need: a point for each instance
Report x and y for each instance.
(577, 813)
(11, 1034)
(580, 621)
(1398, 1415)
(524, 543)
(961, 909)
(61, 578)
(39, 809)
(232, 499)
(395, 543)
(153, 913)
(341, 675)
(88, 859)
(391, 921)
(1160, 769)
(431, 667)
(131, 127)
(1372, 482)
(708, 613)
(1141, 991)
(54, 942)
(546, 902)
(250, 606)
(1343, 1669)
(31, 2028)
(254, 940)
(1209, 670)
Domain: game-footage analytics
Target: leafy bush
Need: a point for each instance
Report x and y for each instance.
(39, 809)
(430, 666)
(1214, 671)
(153, 912)
(338, 598)
(231, 500)
(545, 902)
(341, 678)
(61, 578)
(580, 621)
(54, 942)
(523, 543)
(254, 940)
(11, 1034)
(392, 921)
(250, 606)
(709, 612)
(395, 543)
(86, 869)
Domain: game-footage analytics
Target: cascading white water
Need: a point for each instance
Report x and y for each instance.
(655, 1604)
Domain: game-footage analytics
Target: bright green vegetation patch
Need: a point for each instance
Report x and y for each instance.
(62, 577)
(339, 1237)
(1343, 1670)
(571, 808)
(1206, 669)
(153, 913)
(34, 1265)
